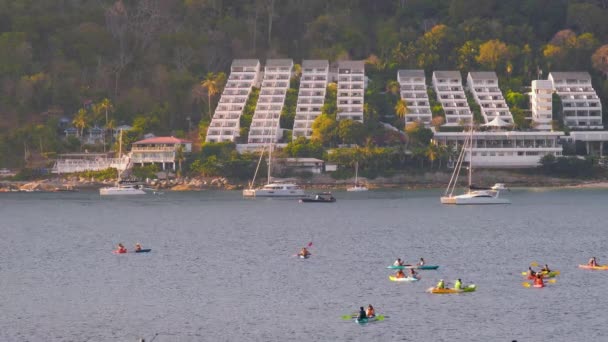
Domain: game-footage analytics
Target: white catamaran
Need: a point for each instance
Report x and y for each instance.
(272, 189)
(474, 195)
(357, 187)
(122, 188)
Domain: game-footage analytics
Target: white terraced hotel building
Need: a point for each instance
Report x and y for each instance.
(541, 104)
(351, 84)
(450, 93)
(484, 87)
(412, 89)
(225, 125)
(581, 106)
(504, 149)
(313, 85)
(265, 124)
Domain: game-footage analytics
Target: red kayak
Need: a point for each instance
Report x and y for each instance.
(119, 251)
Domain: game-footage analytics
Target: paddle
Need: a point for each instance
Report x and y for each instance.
(534, 264)
(526, 273)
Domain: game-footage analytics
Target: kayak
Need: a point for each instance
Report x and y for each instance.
(143, 250)
(303, 256)
(587, 267)
(369, 319)
(423, 267)
(538, 285)
(469, 288)
(393, 278)
(551, 274)
(119, 252)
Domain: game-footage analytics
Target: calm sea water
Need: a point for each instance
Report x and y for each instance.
(221, 267)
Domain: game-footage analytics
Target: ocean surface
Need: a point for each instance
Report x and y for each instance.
(222, 267)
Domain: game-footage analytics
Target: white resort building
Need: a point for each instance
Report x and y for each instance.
(351, 89)
(450, 93)
(484, 87)
(225, 125)
(504, 149)
(311, 96)
(81, 162)
(541, 104)
(581, 105)
(265, 124)
(412, 89)
(159, 150)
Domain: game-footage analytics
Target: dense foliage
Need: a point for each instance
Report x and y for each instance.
(164, 61)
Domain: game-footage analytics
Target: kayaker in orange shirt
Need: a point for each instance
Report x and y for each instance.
(593, 262)
(539, 280)
(400, 274)
(370, 311)
(121, 249)
(304, 252)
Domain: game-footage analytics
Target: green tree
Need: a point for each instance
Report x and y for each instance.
(324, 130)
(80, 121)
(351, 132)
(492, 54)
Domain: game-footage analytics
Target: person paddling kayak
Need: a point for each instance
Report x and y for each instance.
(593, 262)
(440, 285)
(531, 272)
(458, 284)
(138, 247)
(370, 312)
(362, 315)
(413, 273)
(421, 262)
(398, 262)
(538, 280)
(121, 249)
(400, 274)
(545, 269)
(304, 252)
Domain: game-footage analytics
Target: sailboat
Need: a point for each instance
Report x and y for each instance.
(122, 188)
(474, 195)
(272, 189)
(357, 187)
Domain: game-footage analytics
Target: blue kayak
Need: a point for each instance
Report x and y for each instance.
(423, 267)
(144, 250)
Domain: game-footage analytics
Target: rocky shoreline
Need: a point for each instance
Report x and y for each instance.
(429, 180)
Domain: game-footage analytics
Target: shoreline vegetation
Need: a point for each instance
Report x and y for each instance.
(426, 180)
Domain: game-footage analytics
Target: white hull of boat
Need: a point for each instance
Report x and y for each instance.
(473, 199)
(117, 191)
(273, 193)
(357, 189)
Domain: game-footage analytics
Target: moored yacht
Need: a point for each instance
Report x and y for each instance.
(275, 189)
(122, 190)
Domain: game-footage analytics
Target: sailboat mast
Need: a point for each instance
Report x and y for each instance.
(269, 162)
(356, 173)
(471, 155)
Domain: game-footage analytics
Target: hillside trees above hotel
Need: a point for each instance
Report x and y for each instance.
(599, 59)
(304, 148)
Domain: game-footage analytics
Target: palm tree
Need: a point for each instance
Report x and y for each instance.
(179, 155)
(80, 121)
(107, 106)
(392, 87)
(401, 109)
(210, 84)
(432, 152)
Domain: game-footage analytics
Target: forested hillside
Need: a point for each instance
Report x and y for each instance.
(149, 57)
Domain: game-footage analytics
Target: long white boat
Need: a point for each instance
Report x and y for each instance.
(122, 190)
(275, 189)
(473, 195)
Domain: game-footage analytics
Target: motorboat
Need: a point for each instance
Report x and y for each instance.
(500, 186)
(322, 197)
(275, 189)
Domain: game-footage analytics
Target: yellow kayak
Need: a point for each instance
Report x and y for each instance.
(587, 267)
(469, 288)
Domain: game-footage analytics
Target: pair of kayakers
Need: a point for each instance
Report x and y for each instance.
(365, 314)
(441, 284)
(120, 249)
(544, 270)
(401, 274)
(304, 253)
